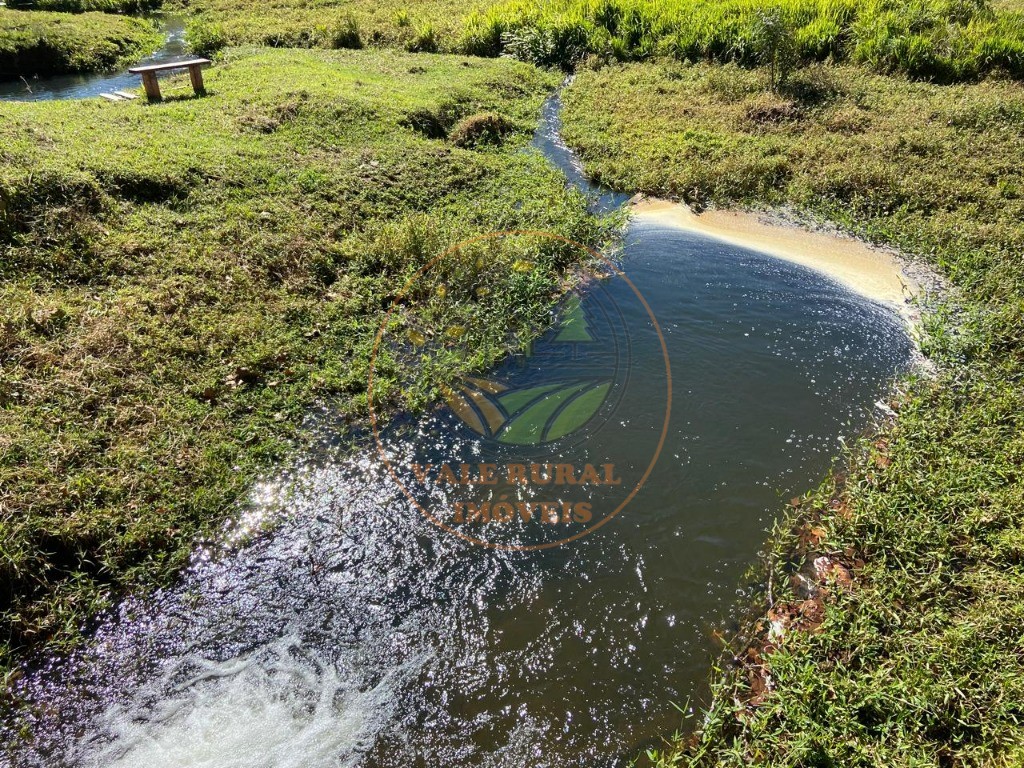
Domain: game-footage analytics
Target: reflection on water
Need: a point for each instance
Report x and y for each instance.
(84, 86)
(357, 633)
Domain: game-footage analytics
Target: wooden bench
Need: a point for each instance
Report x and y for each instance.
(152, 86)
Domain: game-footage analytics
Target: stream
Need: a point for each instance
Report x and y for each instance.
(356, 632)
(91, 85)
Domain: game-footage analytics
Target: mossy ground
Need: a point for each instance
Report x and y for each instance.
(41, 43)
(181, 282)
(921, 662)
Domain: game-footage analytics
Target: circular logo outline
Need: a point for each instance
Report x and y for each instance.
(382, 330)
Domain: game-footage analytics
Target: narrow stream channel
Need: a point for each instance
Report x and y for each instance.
(357, 633)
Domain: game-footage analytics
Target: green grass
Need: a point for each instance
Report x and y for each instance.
(40, 43)
(182, 282)
(943, 40)
(423, 25)
(82, 6)
(922, 662)
(932, 39)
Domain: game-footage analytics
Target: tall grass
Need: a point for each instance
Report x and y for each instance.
(425, 26)
(942, 40)
(83, 6)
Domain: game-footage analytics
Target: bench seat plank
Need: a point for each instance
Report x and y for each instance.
(169, 65)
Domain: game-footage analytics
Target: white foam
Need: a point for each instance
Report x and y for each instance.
(274, 707)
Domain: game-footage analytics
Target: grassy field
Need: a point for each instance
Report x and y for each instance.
(40, 43)
(425, 25)
(932, 39)
(180, 283)
(921, 660)
(945, 40)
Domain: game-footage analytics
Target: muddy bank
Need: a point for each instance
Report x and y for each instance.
(878, 274)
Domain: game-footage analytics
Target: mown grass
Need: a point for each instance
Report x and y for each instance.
(932, 39)
(181, 282)
(40, 43)
(922, 661)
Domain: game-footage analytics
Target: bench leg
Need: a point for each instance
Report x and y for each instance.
(196, 74)
(149, 82)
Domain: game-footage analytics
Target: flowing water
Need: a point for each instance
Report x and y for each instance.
(84, 86)
(356, 632)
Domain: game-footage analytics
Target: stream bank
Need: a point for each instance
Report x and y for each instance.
(877, 274)
(171, 29)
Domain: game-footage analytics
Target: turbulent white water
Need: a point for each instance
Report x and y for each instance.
(276, 706)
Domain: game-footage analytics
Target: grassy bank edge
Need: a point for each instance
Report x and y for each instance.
(46, 43)
(816, 674)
